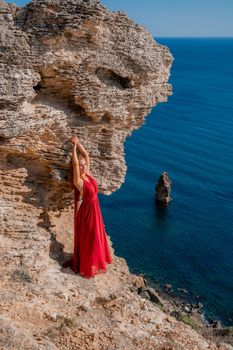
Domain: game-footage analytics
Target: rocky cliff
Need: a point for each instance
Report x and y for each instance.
(72, 67)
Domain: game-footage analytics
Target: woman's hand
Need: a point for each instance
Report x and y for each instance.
(74, 140)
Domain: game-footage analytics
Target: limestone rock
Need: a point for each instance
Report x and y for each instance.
(74, 67)
(71, 67)
(225, 346)
(163, 189)
(150, 294)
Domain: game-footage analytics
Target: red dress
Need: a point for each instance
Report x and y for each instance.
(91, 250)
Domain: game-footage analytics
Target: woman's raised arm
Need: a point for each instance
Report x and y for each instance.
(85, 154)
(78, 182)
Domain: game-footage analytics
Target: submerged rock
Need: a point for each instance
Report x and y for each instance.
(167, 287)
(163, 189)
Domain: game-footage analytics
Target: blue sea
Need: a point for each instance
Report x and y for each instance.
(190, 243)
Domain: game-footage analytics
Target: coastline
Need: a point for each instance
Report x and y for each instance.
(45, 99)
(45, 306)
(186, 309)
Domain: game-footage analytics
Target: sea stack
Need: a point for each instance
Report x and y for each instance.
(163, 189)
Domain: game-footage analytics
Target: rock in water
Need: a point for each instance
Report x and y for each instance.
(163, 189)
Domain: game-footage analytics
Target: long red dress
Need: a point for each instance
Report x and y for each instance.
(91, 250)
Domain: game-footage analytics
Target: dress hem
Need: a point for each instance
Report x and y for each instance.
(99, 271)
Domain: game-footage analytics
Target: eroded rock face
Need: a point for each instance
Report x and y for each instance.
(74, 67)
(71, 67)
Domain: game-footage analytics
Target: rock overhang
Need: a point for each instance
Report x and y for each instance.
(73, 67)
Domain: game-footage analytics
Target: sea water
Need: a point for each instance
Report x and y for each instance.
(190, 243)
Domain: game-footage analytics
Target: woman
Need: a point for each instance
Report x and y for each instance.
(91, 250)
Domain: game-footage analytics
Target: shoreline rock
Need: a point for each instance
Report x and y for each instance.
(186, 311)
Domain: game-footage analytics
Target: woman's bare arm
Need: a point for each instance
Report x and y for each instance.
(85, 155)
(78, 182)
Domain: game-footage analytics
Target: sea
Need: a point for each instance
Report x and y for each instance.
(189, 244)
